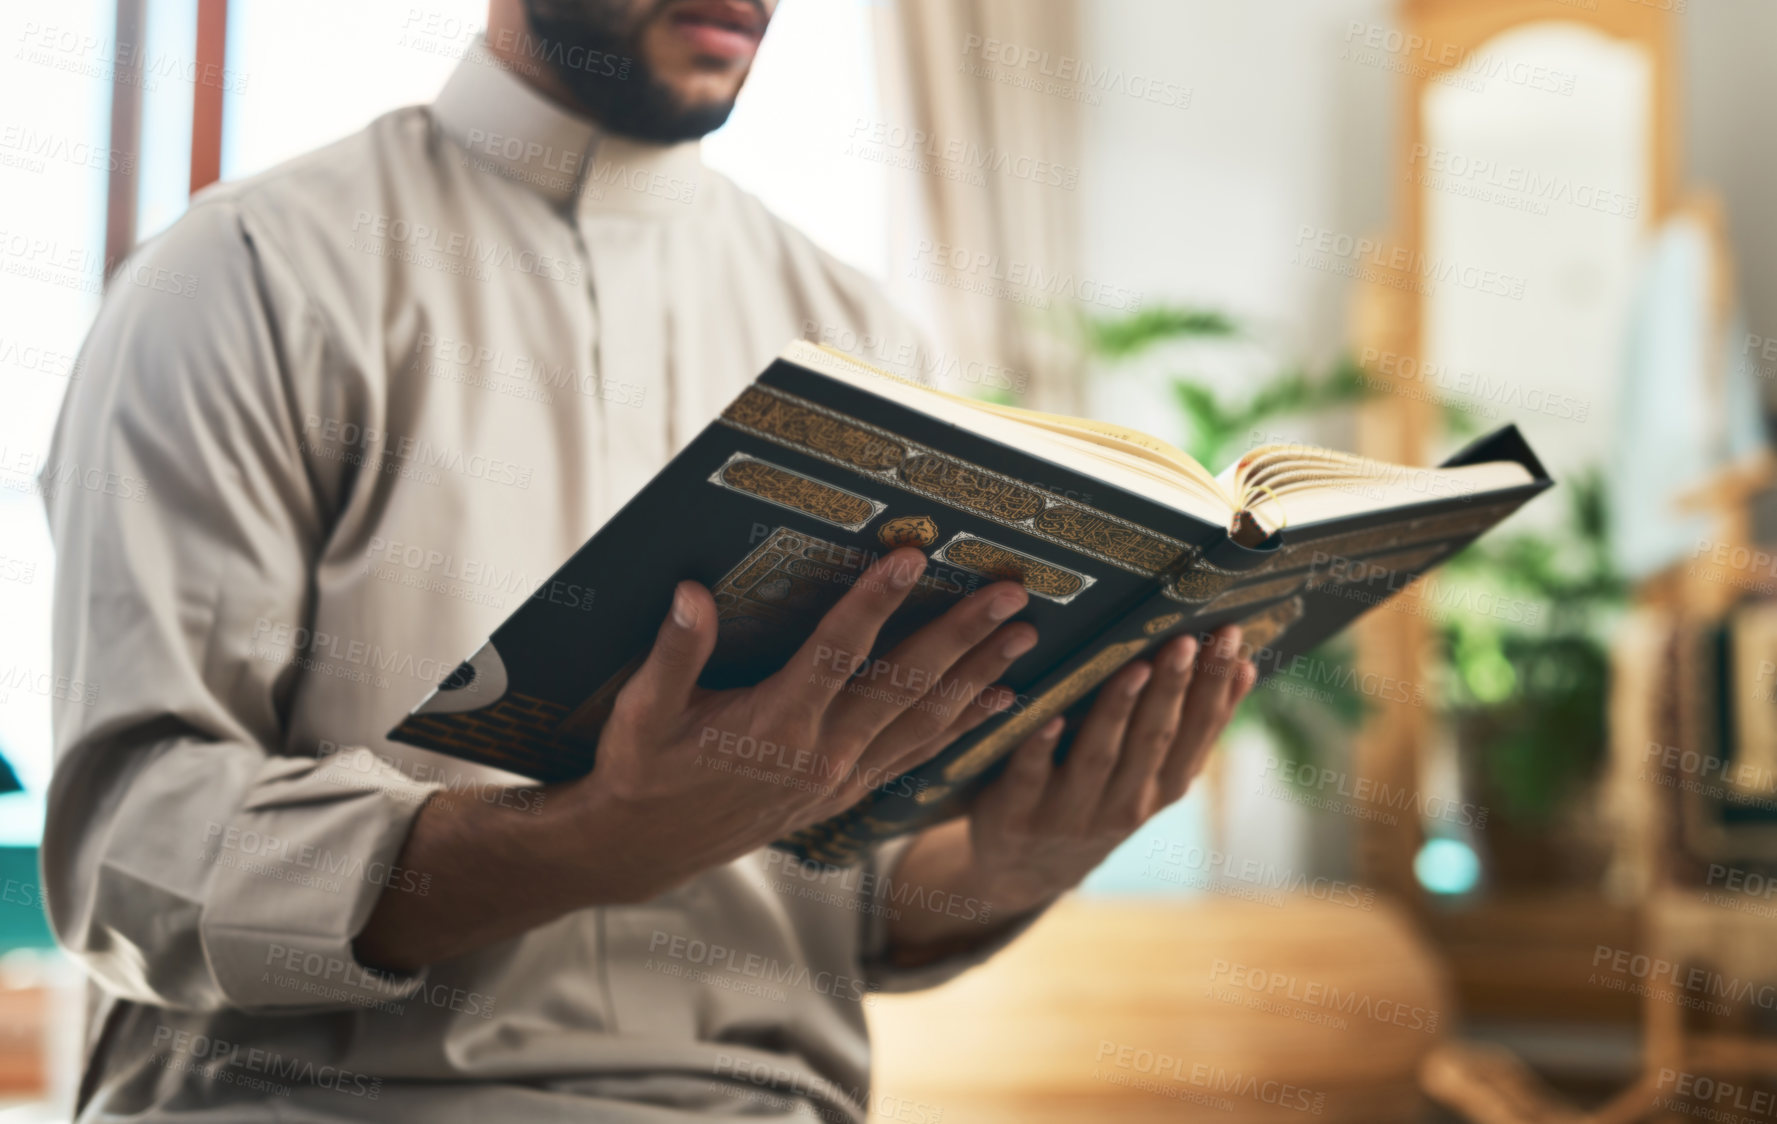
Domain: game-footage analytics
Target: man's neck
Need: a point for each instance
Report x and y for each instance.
(508, 34)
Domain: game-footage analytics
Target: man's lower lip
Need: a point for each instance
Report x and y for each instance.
(714, 39)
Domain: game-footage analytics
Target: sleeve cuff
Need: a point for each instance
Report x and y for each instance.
(296, 875)
(889, 898)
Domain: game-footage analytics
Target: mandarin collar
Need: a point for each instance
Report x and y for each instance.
(507, 128)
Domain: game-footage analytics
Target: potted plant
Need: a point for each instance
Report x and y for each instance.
(1523, 690)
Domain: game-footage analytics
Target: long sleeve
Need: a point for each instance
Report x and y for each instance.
(192, 858)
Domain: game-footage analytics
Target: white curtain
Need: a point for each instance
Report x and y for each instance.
(961, 73)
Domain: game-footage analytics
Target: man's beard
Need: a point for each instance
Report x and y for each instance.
(636, 105)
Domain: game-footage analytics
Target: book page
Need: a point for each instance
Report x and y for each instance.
(1278, 485)
(1151, 474)
(1281, 491)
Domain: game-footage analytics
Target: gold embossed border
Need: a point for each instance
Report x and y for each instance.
(796, 423)
(1391, 537)
(786, 488)
(1365, 570)
(1267, 626)
(1198, 583)
(1243, 595)
(1070, 689)
(991, 560)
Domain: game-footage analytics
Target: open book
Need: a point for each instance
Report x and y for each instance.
(1274, 484)
(823, 464)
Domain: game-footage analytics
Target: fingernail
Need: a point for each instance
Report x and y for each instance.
(1231, 641)
(1183, 654)
(1019, 644)
(1005, 604)
(684, 609)
(1137, 679)
(1052, 728)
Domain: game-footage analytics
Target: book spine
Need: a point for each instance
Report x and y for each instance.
(942, 788)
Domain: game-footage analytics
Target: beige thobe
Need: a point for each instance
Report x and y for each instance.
(332, 428)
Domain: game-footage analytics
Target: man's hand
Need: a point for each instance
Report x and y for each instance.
(665, 759)
(664, 802)
(1041, 827)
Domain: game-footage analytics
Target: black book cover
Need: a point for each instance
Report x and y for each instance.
(804, 481)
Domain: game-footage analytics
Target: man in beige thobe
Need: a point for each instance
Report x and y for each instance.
(346, 416)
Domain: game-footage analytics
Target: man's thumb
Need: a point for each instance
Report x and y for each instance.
(661, 688)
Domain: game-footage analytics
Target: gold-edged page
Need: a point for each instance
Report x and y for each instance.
(1284, 484)
(1309, 502)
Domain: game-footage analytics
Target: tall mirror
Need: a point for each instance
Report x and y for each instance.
(1536, 152)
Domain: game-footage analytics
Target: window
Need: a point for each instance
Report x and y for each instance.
(54, 160)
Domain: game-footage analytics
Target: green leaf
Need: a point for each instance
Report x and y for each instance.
(1118, 337)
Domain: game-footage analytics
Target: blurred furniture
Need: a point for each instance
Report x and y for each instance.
(1173, 1010)
(24, 1020)
(1511, 110)
(1692, 792)
(1695, 799)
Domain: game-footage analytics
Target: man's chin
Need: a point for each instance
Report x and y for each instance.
(669, 92)
(659, 116)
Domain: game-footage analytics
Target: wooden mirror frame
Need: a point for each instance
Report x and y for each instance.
(1388, 319)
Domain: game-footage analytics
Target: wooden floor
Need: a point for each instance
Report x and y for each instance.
(1138, 1011)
